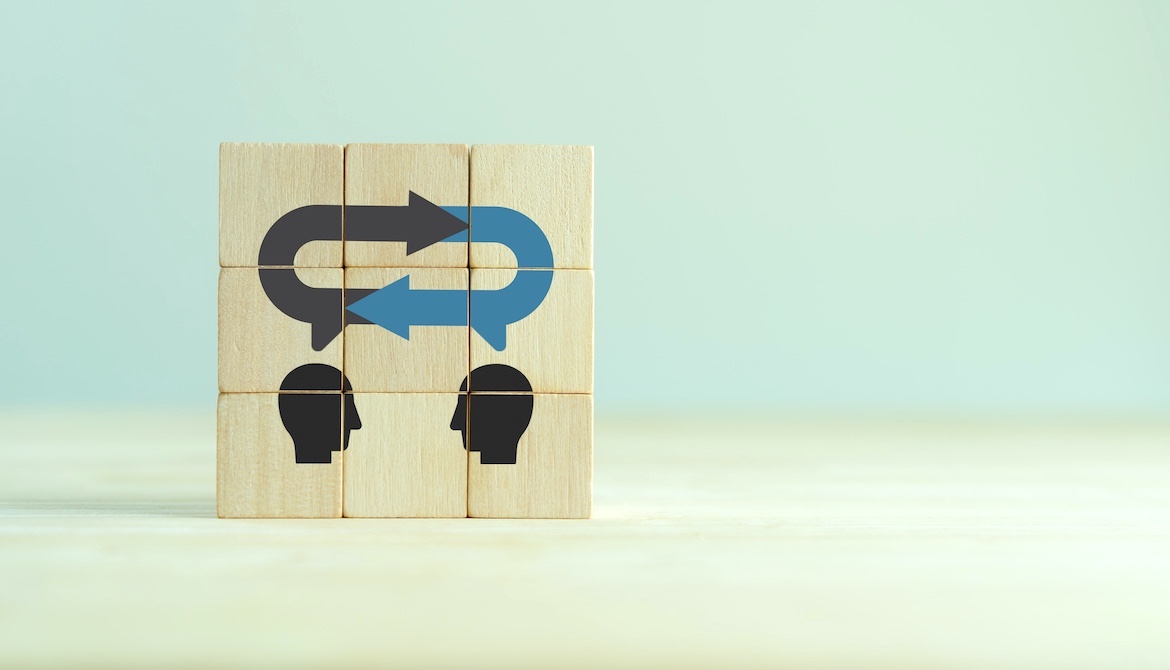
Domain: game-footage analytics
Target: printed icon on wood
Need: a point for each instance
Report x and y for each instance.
(405, 279)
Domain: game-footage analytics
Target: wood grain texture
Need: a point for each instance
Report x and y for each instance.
(553, 346)
(434, 359)
(553, 474)
(257, 475)
(259, 183)
(385, 174)
(405, 461)
(259, 344)
(552, 185)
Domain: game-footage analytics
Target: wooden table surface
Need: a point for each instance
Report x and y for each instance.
(714, 544)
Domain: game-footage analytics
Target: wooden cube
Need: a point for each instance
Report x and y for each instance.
(551, 185)
(353, 269)
(553, 345)
(393, 193)
(406, 329)
(406, 461)
(258, 343)
(531, 455)
(260, 183)
(279, 455)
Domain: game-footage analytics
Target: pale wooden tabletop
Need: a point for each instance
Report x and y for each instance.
(714, 544)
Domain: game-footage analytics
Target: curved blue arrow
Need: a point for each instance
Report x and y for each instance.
(492, 311)
(513, 230)
(397, 307)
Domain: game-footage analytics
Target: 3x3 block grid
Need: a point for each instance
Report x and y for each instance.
(406, 290)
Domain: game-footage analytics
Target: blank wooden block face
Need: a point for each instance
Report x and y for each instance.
(552, 346)
(552, 185)
(435, 357)
(552, 476)
(386, 174)
(259, 183)
(258, 343)
(406, 461)
(279, 455)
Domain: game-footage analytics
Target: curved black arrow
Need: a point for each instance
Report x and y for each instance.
(420, 223)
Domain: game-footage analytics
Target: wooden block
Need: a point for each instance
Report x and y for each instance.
(387, 174)
(258, 343)
(553, 345)
(552, 476)
(279, 455)
(405, 461)
(552, 185)
(259, 183)
(381, 358)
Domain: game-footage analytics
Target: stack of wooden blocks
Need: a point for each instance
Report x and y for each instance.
(405, 331)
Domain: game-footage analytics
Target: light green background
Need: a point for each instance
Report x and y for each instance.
(916, 208)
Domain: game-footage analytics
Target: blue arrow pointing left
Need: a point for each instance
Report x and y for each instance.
(396, 307)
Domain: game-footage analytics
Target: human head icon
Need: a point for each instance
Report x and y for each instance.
(503, 409)
(314, 419)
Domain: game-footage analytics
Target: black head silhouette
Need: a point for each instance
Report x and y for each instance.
(498, 420)
(314, 420)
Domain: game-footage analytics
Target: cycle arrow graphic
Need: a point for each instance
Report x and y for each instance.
(397, 307)
(420, 224)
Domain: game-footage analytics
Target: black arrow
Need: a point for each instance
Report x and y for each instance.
(420, 223)
(296, 229)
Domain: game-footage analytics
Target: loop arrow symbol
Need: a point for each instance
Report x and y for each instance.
(420, 224)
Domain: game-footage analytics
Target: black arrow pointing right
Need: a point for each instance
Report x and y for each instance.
(420, 223)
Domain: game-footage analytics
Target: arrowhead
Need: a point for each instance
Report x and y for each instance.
(429, 224)
(388, 307)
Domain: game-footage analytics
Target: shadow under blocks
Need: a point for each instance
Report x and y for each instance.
(405, 330)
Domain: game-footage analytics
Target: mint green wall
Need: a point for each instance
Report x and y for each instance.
(859, 207)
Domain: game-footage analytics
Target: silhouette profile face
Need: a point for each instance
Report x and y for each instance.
(314, 420)
(498, 420)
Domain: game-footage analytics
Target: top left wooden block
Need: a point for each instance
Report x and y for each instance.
(259, 183)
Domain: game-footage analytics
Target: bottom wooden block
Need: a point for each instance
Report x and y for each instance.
(405, 461)
(531, 455)
(279, 455)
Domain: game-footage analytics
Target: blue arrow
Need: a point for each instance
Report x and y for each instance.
(396, 307)
(515, 231)
(492, 311)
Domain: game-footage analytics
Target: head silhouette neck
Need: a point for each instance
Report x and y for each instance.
(316, 413)
(500, 398)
